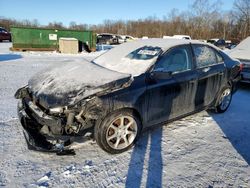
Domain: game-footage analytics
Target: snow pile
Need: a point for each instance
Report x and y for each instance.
(242, 51)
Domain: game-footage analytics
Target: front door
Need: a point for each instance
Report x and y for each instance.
(171, 86)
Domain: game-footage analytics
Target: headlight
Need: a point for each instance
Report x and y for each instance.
(57, 110)
(21, 93)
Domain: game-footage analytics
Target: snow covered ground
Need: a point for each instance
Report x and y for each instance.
(203, 150)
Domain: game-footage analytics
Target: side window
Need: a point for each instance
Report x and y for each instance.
(204, 55)
(178, 59)
(219, 57)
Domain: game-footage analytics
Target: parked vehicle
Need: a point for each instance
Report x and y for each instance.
(212, 41)
(167, 37)
(129, 38)
(107, 39)
(242, 53)
(220, 43)
(245, 73)
(187, 37)
(231, 46)
(4, 35)
(121, 38)
(127, 89)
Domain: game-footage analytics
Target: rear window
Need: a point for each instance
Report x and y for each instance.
(145, 53)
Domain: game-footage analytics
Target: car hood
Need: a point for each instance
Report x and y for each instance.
(71, 82)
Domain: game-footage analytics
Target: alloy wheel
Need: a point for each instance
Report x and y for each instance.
(121, 132)
(225, 99)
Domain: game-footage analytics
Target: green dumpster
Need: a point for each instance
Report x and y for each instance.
(26, 38)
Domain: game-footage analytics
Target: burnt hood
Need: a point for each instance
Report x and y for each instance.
(67, 84)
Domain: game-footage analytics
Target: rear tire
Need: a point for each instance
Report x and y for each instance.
(224, 100)
(118, 131)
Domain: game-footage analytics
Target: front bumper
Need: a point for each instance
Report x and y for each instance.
(34, 138)
(32, 132)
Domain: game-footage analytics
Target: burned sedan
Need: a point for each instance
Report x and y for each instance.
(127, 89)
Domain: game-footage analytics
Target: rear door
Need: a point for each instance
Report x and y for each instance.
(171, 86)
(211, 72)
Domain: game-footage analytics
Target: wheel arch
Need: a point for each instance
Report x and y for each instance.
(100, 128)
(133, 110)
(228, 84)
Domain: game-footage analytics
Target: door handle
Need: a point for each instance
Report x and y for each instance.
(206, 69)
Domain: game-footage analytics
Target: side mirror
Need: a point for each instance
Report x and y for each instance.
(160, 74)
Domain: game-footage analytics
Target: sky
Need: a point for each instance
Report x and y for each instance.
(93, 11)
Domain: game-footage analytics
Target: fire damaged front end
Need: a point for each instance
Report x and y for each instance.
(51, 120)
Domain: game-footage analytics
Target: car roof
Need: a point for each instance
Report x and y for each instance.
(164, 44)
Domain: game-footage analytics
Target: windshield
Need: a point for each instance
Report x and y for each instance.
(131, 58)
(144, 53)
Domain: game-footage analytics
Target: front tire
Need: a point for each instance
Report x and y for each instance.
(224, 100)
(118, 131)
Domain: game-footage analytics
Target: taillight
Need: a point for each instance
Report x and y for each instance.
(241, 67)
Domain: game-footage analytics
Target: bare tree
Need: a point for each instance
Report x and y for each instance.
(204, 14)
(242, 12)
(204, 20)
(55, 25)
